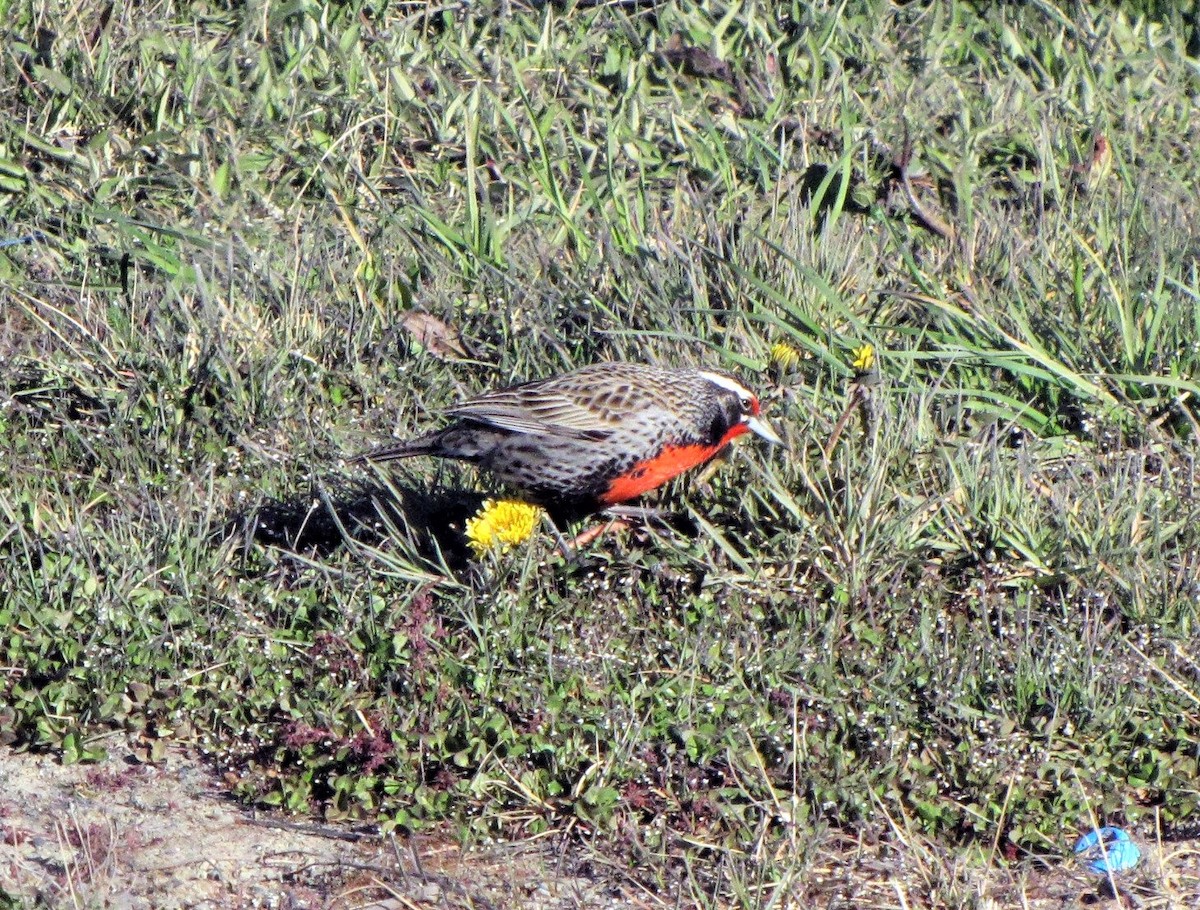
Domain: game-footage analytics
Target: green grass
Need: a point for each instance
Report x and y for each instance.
(973, 619)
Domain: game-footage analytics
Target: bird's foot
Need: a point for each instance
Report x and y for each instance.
(590, 535)
(644, 514)
(619, 518)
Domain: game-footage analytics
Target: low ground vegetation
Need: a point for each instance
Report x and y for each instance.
(959, 610)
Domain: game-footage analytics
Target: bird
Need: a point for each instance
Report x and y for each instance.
(595, 437)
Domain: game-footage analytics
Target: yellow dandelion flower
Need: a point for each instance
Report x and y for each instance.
(502, 525)
(784, 356)
(863, 358)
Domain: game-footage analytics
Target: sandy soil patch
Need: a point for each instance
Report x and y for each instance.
(165, 836)
(120, 834)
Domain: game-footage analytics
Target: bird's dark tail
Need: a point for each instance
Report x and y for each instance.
(423, 445)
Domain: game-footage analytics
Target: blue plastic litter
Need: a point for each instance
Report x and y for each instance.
(1118, 853)
(28, 238)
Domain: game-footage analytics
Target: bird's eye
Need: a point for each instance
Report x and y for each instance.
(747, 404)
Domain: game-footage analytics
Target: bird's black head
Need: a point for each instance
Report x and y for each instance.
(736, 411)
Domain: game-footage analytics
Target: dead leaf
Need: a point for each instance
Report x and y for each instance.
(695, 61)
(1091, 173)
(435, 336)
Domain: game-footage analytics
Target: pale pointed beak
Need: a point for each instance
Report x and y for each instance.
(761, 428)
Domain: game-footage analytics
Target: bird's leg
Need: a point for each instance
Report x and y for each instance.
(620, 518)
(596, 531)
(641, 513)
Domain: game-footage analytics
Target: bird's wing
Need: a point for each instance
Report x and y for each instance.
(541, 408)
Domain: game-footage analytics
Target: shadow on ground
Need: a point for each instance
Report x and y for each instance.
(334, 513)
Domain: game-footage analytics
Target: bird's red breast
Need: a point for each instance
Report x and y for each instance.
(669, 463)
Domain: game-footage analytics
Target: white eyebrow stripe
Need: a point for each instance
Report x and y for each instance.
(725, 382)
